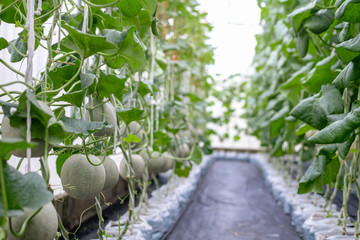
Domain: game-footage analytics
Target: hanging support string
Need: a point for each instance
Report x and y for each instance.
(29, 72)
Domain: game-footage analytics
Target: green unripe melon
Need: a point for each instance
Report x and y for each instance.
(138, 165)
(111, 172)
(144, 155)
(10, 132)
(157, 163)
(80, 179)
(183, 150)
(169, 162)
(105, 112)
(42, 226)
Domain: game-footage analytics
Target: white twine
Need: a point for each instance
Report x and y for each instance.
(152, 49)
(29, 72)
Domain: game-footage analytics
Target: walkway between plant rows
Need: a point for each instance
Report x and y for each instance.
(232, 202)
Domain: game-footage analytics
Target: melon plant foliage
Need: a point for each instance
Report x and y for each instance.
(144, 60)
(305, 89)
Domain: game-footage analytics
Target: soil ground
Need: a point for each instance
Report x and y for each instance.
(232, 202)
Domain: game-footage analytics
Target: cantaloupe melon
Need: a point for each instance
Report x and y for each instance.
(80, 179)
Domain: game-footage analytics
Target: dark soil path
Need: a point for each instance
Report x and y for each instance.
(232, 202)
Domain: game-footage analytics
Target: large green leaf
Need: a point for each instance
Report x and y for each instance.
(321, 74)
(320, 21)
(3, 43)
(331, 100)
(339, 131)
(76, 98)
(161, 141)
(21, 46)
(110, 84)
(348, 50)
(349, 75)
(300, 14)
(129, 51)
(23, 191)
(311, 112)
(322, 171)
(61, 74)
(129, 115)
(196, 155)
(85, 44)
(129, 8)
(302, 42)
(10, 144)
(148, 5)
(81, 126)
(349, 11)
(344, 148)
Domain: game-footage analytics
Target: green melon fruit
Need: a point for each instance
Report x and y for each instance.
(138, 165)
(10, 132)
(80, 179)
(144, 154)
(169, 162)
(102, 113)
(183, 150)
(111, 172)
(157, 163)
(42, 226)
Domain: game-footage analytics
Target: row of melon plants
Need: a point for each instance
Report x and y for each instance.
(125, 78)
(302, 102)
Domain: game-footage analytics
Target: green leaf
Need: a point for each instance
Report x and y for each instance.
(85, 44)
(6, 106)
(76, 98)
(349, 11)
(43, 115)
(304, 128)
(148, 5)
(331, 100)
(81, 126)
(321, 74)
(320, 21)
(3, 43)
(129, 115)
(298, 15)
(291, 89)
(348, 50)
(129, 50)
(87, 79)
(311, 112)
(322, 171)
(196, 155)
(182, 170)
(131, 139)
(10, 144)
(110, 84)
(302, 42)
(60, 160)
(23, 191)
(62, 73)
(129, 8)
(349, 75)
(161, 141)
(344, 148)
(20, 45)
(339, 131)
(11, 15)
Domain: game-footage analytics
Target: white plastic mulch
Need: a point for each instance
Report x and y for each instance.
(168, 202)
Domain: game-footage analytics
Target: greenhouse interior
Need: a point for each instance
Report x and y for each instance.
(179, 120)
